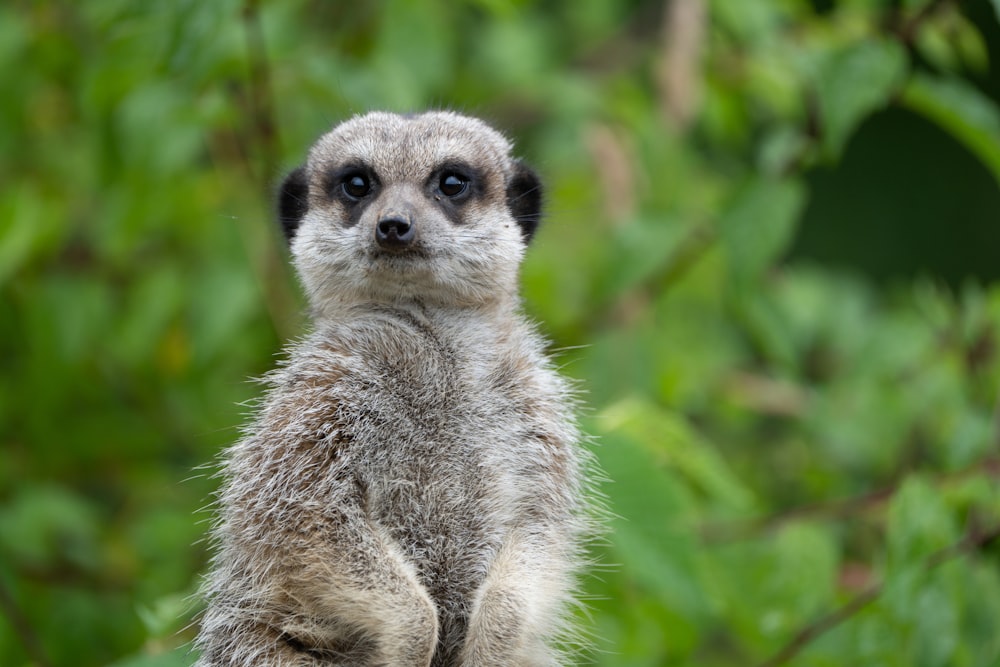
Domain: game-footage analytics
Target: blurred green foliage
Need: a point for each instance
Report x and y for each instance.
(771, 257)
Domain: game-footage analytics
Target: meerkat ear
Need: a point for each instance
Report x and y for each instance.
(293, 202)
(524, 197)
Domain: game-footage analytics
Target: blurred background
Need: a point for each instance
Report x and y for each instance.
(771, 258)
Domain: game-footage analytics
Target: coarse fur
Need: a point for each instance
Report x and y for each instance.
(411, 490)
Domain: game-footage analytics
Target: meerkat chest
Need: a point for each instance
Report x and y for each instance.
(438, 410)
(441, 444)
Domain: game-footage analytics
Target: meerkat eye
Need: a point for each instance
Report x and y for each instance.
(356, 186)
(452, 184)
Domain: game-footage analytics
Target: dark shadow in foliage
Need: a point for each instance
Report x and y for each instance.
(906, 199)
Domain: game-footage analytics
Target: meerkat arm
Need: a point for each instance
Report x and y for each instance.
(331, 607)
(304, 573)
(518, 607)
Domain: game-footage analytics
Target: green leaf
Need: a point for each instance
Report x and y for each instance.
(970, 45)
(674, 443)
(166, 615)
(935, 44)
(805, 568)
(179, 657)
(936, 634)
(754, 21)
(853, 83)
(919, 525)
(759, 225)
(48, 527)
(641, 247)
(769, 588)
(19, 227)
(959, 108)
(651, 536)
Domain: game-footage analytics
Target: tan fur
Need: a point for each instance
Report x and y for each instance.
(410, 492)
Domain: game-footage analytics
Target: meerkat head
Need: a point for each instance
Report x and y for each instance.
(429, 207)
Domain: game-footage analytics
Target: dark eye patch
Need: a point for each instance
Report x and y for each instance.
(454, 182)
(354, 186)
(350, 183)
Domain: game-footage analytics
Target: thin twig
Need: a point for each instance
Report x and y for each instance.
(836, 509)
(269, 262)
(684, 256)
(906, 29)
(261, 99)
(971, 541)
(22, 628)
(809, 633)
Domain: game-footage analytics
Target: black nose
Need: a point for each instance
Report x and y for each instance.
(394, 231)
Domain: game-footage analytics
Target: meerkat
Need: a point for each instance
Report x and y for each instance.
(411, 491)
